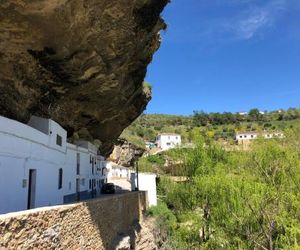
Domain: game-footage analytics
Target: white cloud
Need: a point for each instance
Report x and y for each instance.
(247, 28)
(221, 22)
(255, 19)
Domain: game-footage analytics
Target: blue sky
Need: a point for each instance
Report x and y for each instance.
(227, 55)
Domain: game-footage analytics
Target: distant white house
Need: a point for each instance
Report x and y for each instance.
(168, 140)
(243, 113)
(246, 137)
(115, 171)
(39, 168)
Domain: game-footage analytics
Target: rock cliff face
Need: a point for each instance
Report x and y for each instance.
(79, 62)
(125, 153)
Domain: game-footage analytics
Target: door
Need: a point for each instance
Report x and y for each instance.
(78, 189)
(31, 189)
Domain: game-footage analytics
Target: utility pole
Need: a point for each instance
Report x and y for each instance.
(137, 176)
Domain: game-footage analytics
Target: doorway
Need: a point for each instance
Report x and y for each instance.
(31, 189)
(78, 189)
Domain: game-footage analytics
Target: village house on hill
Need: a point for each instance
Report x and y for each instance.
(246, 137)
(38, 167)
(243, 113)
(168, 141)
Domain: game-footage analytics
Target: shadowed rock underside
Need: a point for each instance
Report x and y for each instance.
(80, 62)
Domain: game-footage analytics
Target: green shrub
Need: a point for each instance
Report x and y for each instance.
(234, 200)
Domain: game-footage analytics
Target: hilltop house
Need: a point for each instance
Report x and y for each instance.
(243, 113)
(38, 167)
(246, 137)
(168, 140)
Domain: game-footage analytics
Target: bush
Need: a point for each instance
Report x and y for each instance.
(235, 200)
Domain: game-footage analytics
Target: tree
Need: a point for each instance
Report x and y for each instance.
(255, 115)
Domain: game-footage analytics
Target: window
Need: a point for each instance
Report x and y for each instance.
(58, 140)
(168, 143)
(78, 164)
(82, 182)
(252, 136)
(60, 178)
(90, 184)
(70, 185)
(241, 136)
(24, 183)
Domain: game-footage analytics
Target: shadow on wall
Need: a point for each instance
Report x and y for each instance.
(119, 220)
(104, 223)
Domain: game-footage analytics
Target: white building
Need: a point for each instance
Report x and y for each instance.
(115, 171)
(145, 182)
(39, 168)
(246, 137)
(243, 113)
(168, 140)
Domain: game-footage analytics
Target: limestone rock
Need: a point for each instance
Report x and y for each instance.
(125, 153)
(80, 62)
(124, 244)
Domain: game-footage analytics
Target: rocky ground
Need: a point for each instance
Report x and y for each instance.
(142, 237)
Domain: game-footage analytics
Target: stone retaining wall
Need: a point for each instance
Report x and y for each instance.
(94, 224)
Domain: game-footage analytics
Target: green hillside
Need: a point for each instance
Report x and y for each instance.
(231, 199)
(214, 125)
(210, 197)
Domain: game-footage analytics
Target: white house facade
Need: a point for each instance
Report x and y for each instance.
(167, 141)
(245, 137)
(145, 182)
(39, 168)
(115, 171)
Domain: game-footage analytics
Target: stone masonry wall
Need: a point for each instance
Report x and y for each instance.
(94, 224)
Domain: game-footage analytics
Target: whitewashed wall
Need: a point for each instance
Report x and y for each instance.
(168, 141)
(23, 148)
(147, 182)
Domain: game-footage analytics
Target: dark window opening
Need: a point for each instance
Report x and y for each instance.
(78, 164)
(60, 178)
(58, 140)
